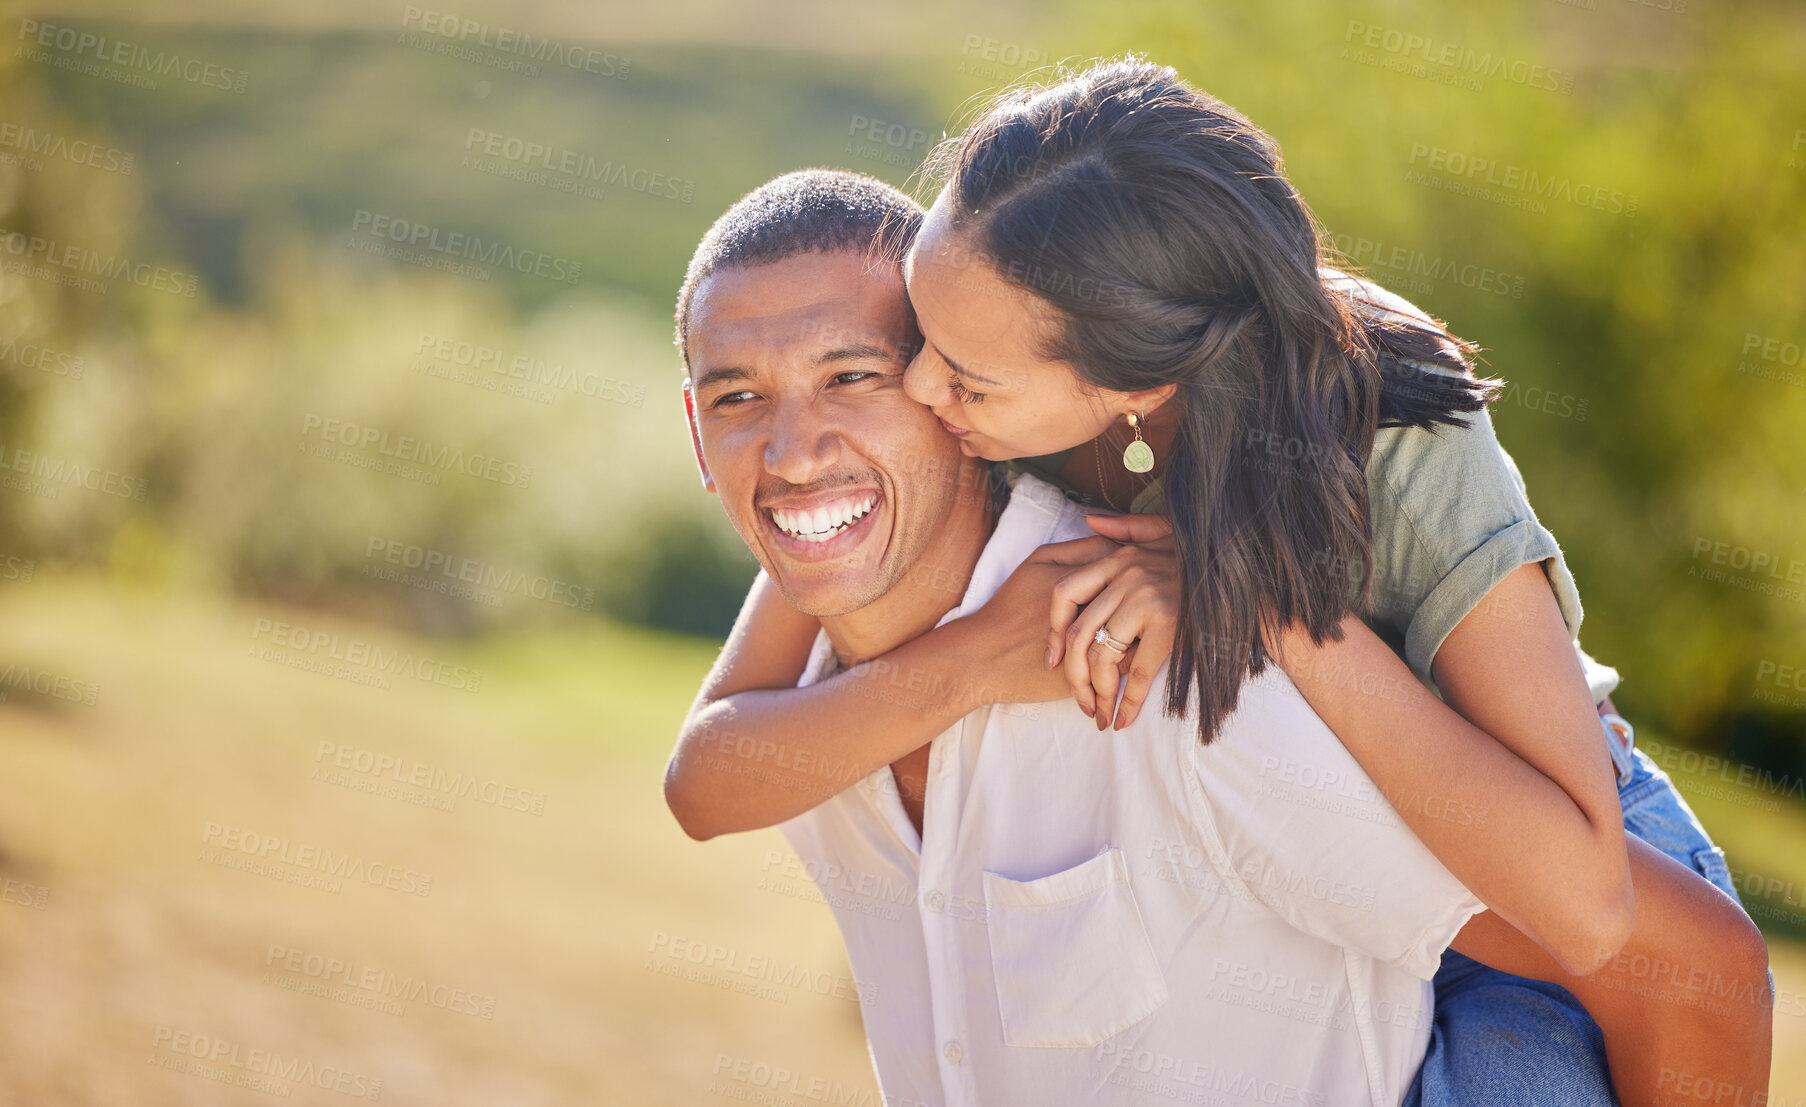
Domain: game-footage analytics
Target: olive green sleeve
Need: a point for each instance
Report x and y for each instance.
(1451, 517)
(1450, 520)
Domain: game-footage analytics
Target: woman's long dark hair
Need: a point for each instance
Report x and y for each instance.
(1158, 223)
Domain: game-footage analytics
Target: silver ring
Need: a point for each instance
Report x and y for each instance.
(1102, 638)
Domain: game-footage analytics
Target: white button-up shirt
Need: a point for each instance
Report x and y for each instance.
(1132, 917)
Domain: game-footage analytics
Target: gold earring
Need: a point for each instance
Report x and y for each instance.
(1138, 456)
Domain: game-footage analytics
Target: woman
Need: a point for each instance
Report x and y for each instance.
(1117, 268)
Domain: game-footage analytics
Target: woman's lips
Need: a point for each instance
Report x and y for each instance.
(953, 430)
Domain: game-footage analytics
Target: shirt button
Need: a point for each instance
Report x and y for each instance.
(953, 1052)
(934, 902)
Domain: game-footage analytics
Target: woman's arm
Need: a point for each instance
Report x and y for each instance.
(1684, 1005)
(1684, 997)
(1507, 778)
(755, 749)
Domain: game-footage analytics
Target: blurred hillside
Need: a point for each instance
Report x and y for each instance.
(1608, 197)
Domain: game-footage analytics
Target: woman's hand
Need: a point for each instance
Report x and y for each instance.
(1131, 590)
(1018, 666)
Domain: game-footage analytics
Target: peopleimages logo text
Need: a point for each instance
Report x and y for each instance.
(78, 44)
(1455, 57)
(417, 451)
(318, 644)
(458, 244)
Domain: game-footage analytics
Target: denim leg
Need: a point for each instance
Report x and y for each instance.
(1499, 1038)
(1656, 813)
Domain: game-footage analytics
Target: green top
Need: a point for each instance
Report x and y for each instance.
(1450, 519)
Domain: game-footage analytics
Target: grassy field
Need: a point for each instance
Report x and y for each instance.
(562, 923)
(550, 959)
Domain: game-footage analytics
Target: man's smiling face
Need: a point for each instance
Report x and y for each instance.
(836, 480)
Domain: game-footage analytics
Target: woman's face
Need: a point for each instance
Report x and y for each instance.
(980, 368)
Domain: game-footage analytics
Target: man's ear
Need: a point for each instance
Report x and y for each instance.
(702, 465)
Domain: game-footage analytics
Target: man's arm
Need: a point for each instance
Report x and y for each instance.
(1684, 1003)
(1686, 999)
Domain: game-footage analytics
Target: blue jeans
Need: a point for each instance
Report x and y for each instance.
(1497, 1038)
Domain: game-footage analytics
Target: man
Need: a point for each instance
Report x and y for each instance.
(1046, 915)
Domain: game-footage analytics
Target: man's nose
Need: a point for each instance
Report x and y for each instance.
(802, 448)
(923, 385)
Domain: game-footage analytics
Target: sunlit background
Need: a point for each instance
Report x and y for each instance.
(347, 517)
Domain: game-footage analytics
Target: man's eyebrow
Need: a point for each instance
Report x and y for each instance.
(857, 351)
(718, 376)
(963, 371)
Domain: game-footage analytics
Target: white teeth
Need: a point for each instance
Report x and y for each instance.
(822, 523)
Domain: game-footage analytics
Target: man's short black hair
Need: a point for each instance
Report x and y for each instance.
(810, 210)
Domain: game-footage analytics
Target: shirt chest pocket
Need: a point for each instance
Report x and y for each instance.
(1071, 955)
